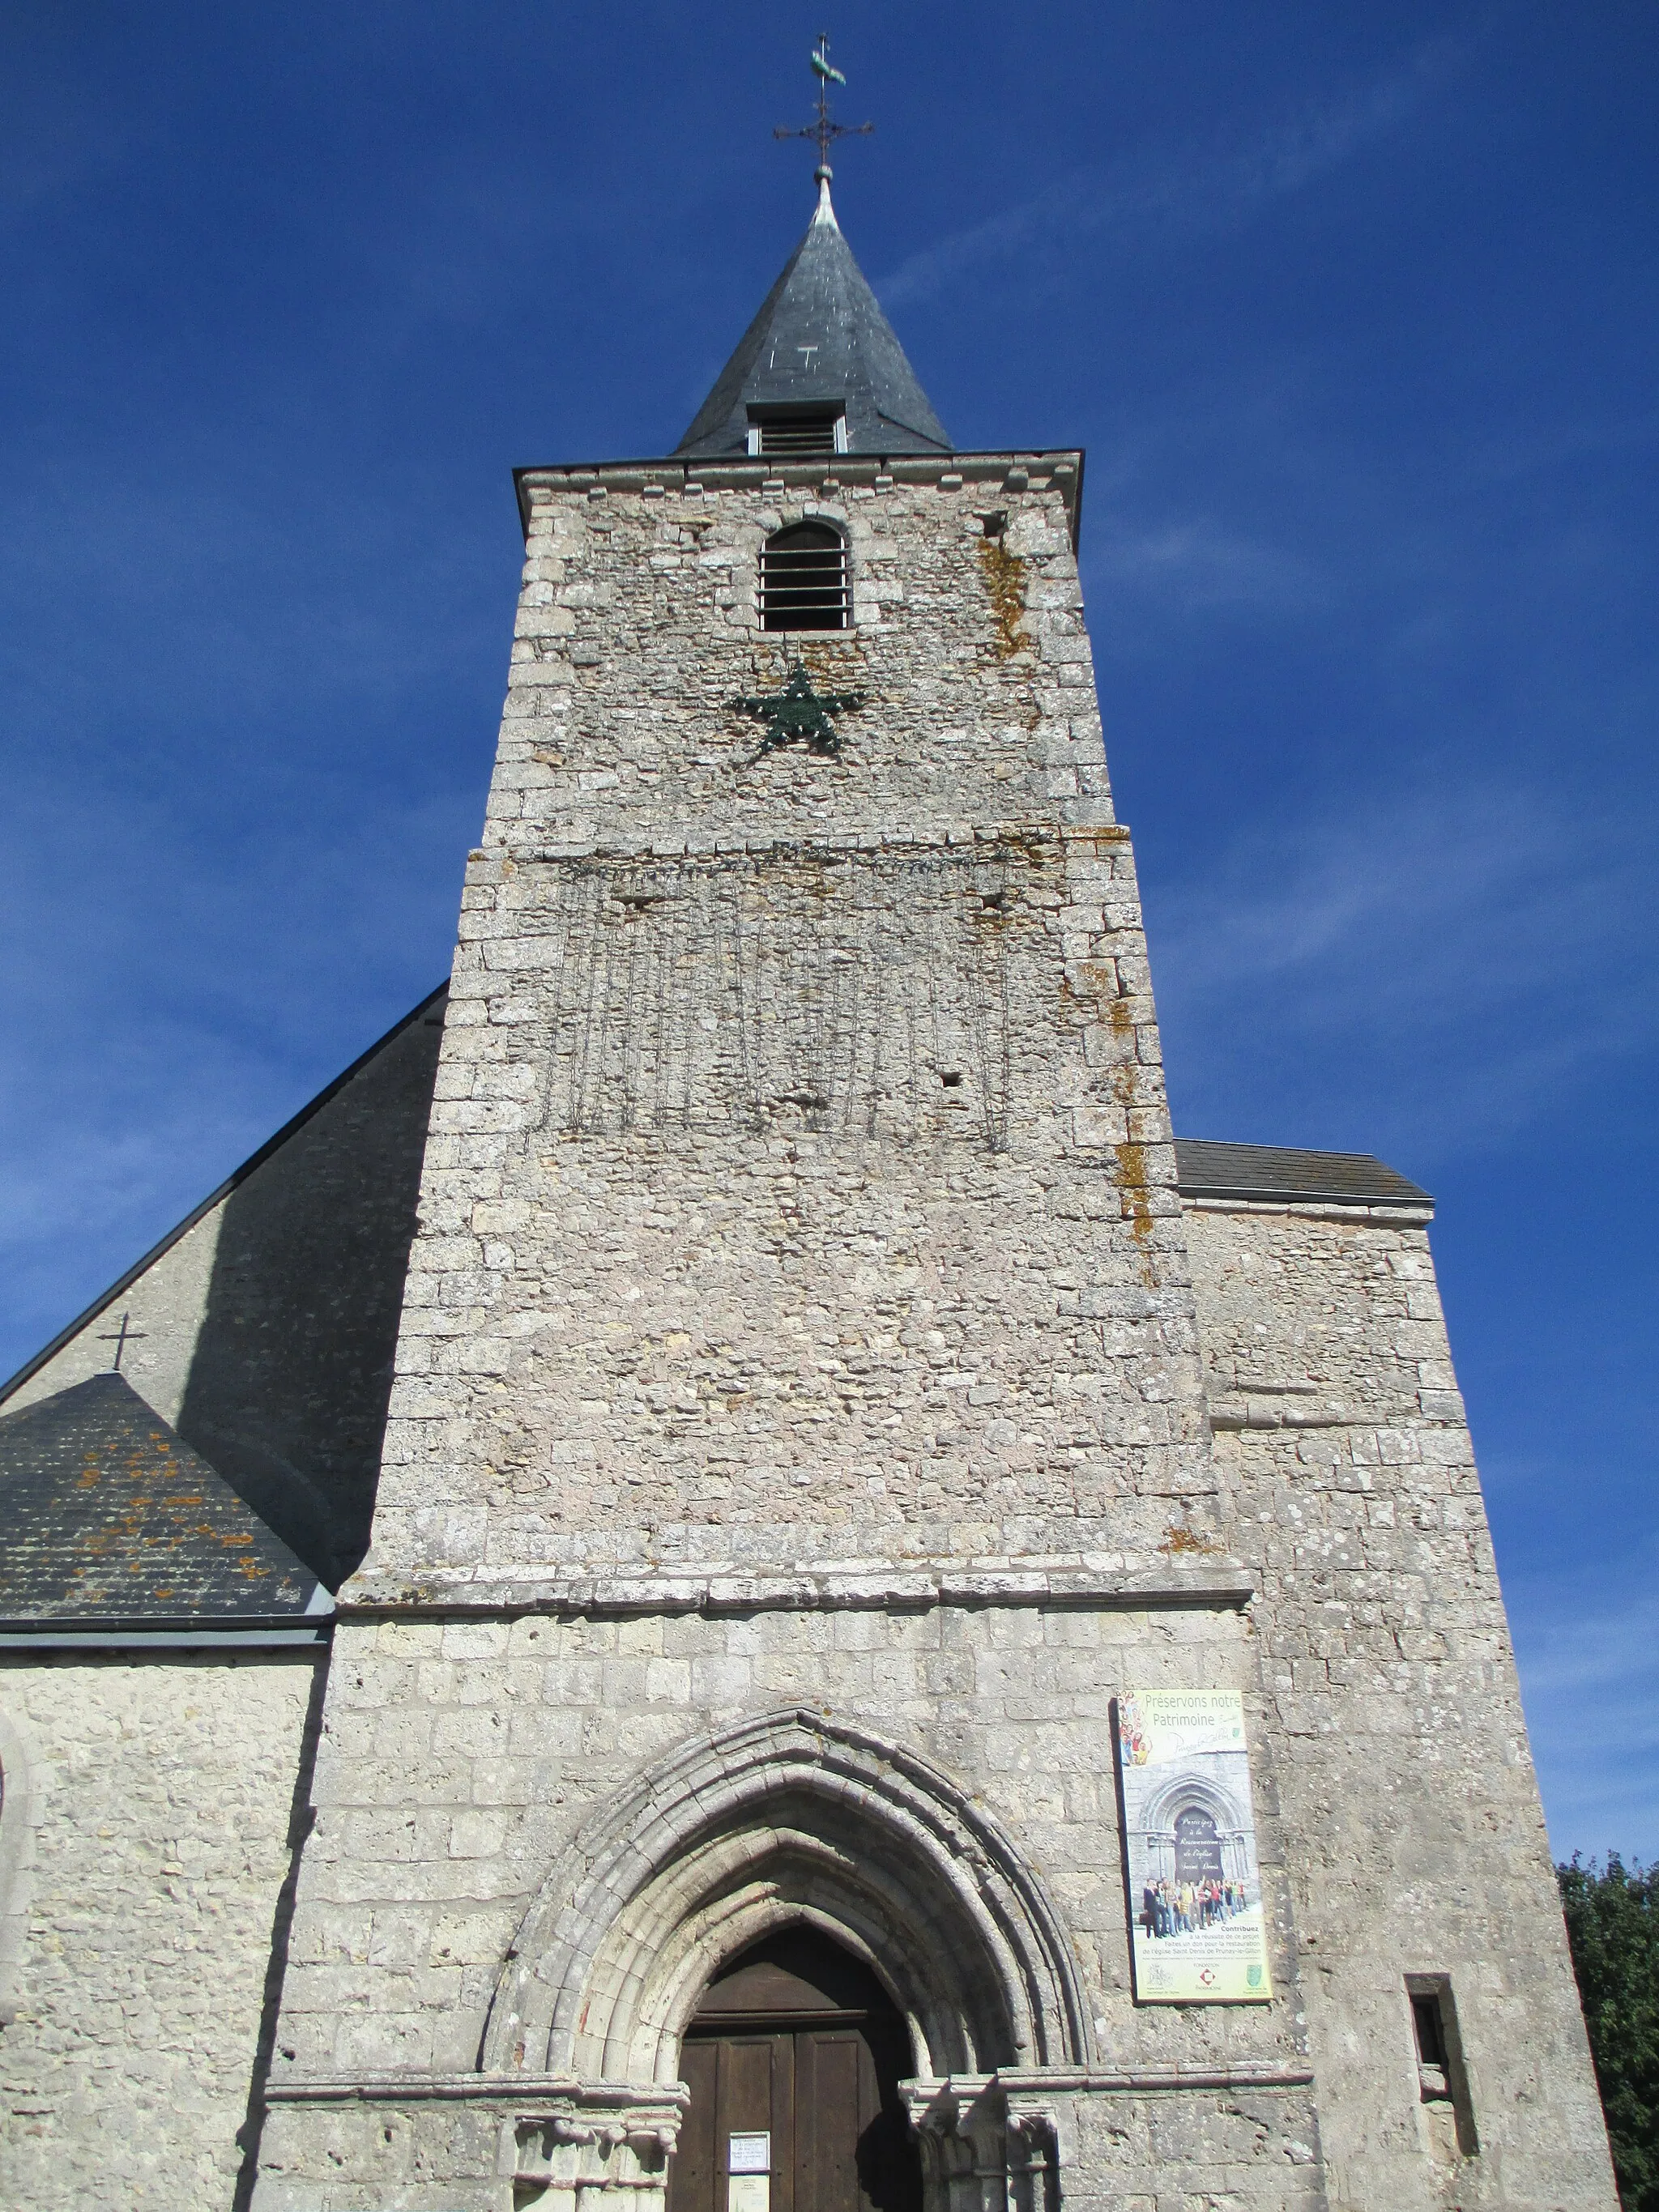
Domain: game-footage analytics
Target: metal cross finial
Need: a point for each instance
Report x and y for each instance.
(825, 131)
(120, 1339)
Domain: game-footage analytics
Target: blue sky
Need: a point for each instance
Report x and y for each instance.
(1355, 311)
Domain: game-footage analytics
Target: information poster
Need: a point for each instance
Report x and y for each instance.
(1194, 1886)
(749, 2172)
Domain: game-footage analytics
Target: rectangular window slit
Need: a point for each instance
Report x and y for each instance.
(1442, 2084)
(1431, 2036)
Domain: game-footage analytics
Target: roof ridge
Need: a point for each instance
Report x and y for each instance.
(273, 1144)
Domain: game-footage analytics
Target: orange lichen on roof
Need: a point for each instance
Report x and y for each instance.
(162, 1531)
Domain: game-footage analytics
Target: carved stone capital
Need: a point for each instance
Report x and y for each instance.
(981, 2149)
(602, 2136)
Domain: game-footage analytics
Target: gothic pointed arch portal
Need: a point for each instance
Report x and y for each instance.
(793, 1819)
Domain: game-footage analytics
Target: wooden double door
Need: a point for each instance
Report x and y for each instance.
(793, 2062)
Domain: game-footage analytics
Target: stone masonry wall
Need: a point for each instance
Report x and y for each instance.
(165, 1791)
(799, 1184)
(638, 624)
(1414, 1831)
(799, 1207)
(798, 1220)
(460, 1760)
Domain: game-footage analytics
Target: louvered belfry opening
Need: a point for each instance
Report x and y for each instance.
(804, 580)
(803, 435)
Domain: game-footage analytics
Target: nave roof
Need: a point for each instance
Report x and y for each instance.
(107, 1514)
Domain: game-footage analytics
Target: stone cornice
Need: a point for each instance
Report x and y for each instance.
(527, 2090)
(1315, 1209)
(980, 842)
(1025, 2081)
(1013, 469)
(1224, 1586)
(526, 2093)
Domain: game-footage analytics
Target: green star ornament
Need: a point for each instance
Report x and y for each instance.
(799, 712)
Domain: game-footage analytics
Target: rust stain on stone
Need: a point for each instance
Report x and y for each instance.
(1176, 1541)
(1005, 584)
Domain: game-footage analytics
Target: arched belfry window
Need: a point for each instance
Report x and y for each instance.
(804, 579)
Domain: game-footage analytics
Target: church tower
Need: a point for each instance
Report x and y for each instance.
(827, 1722)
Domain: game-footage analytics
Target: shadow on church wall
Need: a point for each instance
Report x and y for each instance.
(291, 1374)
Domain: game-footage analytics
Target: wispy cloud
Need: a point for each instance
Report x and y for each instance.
(1191, 190)
(1591, 1683)
(1400, 946)
(1198, 564)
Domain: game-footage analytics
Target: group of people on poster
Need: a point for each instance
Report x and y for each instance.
(1180, 1908)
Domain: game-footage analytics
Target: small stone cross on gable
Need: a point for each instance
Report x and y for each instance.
(120, 1339)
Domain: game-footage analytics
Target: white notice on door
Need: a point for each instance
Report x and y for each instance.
(750, 2154)
(749, 2192)
(748, 2165)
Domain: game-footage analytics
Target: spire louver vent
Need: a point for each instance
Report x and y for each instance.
(803, 436)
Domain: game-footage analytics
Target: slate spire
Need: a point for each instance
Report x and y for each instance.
(819, 349)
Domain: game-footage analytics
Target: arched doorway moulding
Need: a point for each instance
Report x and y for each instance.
(789, 1817)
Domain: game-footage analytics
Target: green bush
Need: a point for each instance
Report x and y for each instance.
(1612, 1925)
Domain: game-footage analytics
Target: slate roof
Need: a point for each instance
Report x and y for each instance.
(287, 1366)
(107, 1516)
(1204, 1170)
(821, 338)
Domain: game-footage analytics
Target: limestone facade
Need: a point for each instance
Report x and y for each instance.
(724, 1031)
(801, 1434)
(151, 1813)
(1399, 1745)
(813, 1409)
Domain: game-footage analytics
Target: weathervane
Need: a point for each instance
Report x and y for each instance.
(825, 131)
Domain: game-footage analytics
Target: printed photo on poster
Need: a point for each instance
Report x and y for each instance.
(1197, 1933)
